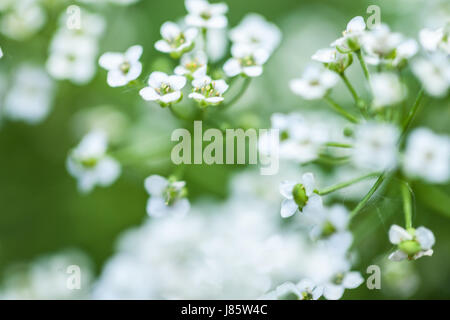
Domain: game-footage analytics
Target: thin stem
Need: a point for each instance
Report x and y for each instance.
(350, 88)
(363, 64)
(412, 112)
(239, 94)
(407, 200)
(368, 196)
(341, 110)
(338, 145)
(346, 183)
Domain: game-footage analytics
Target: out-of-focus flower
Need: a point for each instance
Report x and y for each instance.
(300, 196)
(351, 40)
(433, 73)
(387, 90)
(89, 163)
(31, 95)
(434, 39)
(304, 290)
(202, 14)
(380, 44)
(412, 243)
(334, 288)
(192, 64)
(175, 40)
(22, 19)
(255, 31)
(405, 51)
(122, 67)
(314, 83)
(208, 91)
(163, 88)
(427, 156)
(167, 197)
(333, 59)
(375, 147)
(329, 222)
(246, 61)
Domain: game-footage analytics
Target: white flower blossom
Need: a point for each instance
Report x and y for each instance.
(255, 31)
(380, 44)
(314, 83)
(412, 243)
(208, 91)
(192, 64)
(304, 290)
(22, 19)
(405, 51)
(122, 67)
(30, 97)
(300, 196)
(167, 197)
(89, 163)
(434, 74)
(427, 156)
(351, 39)
(387, 90)
(202, 14)
(175, 40)
(375, 147)
(163, 88)
(246, 60)
(435, 39)
(333, 59)
(330, 222)
(334, 289)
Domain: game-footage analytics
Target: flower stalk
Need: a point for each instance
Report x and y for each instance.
(346, 184)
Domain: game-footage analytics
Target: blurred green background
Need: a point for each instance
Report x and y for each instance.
(40, 208)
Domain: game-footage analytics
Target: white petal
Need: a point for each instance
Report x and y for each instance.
(288, 208)
(314, 205)
(111, 60)
(177, 82)
(156, 207)
(157, 78)
(196, 96)
(232, 67)
(398, 256)
(352, 280)
(420, 254)
(116, 78)
(220, 86)
(108, 170)
(155, 185)
(214, 100)
(425, 237)
(163, 46)
(357, 24)
(171, 97)
(170, 30)
(309, 182)
(190, 34)
(286, 189)
(149, 94)
(397, 234)
(134, 53)
(333, 292)
(180, 207)
(253, 71)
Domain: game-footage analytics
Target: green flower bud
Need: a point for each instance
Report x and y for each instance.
(299, 194)
(410, 247)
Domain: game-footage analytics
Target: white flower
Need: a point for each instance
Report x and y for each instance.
(208, 91)
(90, 165)
(90, 24)
(256, 32)
(315, 83)
(163, 88)
(427, 156)
(246, 61)
(405, 50)
(304, 290)
(411, 243)
(329, 221)
(333, 59)
(300, 196)
(432, 40)
(22, 19)
(375, 147)
(387, 89)
(202, 14)
(334, 289)
(176, 41)
(433, 73)
(192, 64)
(309, 290)
(122, 67)
(31, 95)
(380, 44)
(167, 197)
(351, 40)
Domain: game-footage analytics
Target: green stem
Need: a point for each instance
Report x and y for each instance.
(346, 184)
(238, 95)
(341, 110)
(368, 196)
(363, 64)
(407, 200)
(338, 145)
(412, 112)
(350, 88)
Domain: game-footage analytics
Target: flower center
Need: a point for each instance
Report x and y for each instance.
(300, 197)
(206, 15)
(209, 91)
(89, 162)
(328, 229)
(177, 41)
(338, 279)
(164, 89)
(125, 67)
(307, 295)
(247, 61)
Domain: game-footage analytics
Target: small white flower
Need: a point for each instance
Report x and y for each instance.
(122, 67)
(375, 147)
(333, 59)
(31, 95)
(300, 196)
(387, 90)
(412, 243)
(432, 40)
(192, 64)
(380, 44)
(433, 73)
(351, 40)
(427, 156)
(255, 31)
(329, 222)
(246, 61)
(163, 88)
(208, 91)
(167, 197)
(334, 289)
(90, 165)
(22, 19)
(175, 40)
(314, 83)
(309, 290)
(202, 14)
